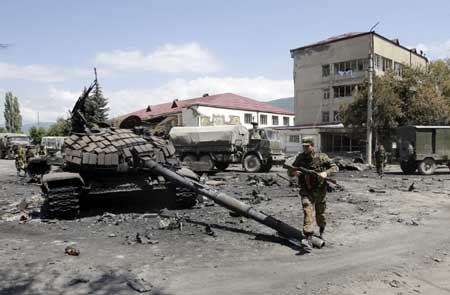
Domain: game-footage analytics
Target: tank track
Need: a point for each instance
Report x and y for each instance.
(61, 203)
(183, 198)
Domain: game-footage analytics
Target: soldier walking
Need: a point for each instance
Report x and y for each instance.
(380, 158)
(20, 159)
(313, 188)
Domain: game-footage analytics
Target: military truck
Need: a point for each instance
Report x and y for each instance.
(203, 148)
(422, 148)
(10, 141)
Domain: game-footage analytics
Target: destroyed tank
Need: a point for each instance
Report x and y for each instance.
(109, 160)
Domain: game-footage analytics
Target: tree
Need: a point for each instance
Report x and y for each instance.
(13, 119)
(97, 105)
(414, 99)
(62, 127)
(36, 134)
(2, 130)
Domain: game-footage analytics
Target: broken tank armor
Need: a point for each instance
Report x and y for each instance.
(108, 160)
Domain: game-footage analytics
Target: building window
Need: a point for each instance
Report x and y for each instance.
(336, 117)
(343, 90)
(275, 120)
(325, 70)
(248, 118)
(387, 64)
(263, 119)
(286, 121)
(326, 93)
(294, 138)
(382, 63)
(398, 69)
(325, 117)
(348, 67)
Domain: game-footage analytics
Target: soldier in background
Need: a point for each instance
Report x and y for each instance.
(254, 133)
(380, 159)
(20, 160)
(313, 188)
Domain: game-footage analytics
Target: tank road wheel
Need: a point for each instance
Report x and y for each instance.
(61, 203)
(252, 163)
(427, 167)
(222, 166)
(408, 167)
(207, 162)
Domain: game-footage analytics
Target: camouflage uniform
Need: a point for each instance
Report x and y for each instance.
(20, 159)
(380, 158)
(313, 189)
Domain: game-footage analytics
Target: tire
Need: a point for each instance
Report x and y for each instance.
(252, 163)
(427, 167)
(408, 167)
(61, 203)
(1, 154)
(222, 166)
(206, 159)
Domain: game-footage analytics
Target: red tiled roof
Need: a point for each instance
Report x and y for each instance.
(224, 100)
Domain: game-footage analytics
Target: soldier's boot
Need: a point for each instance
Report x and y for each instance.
(321, 232)
(307, 243)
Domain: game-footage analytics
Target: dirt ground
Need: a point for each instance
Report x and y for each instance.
(383, 237)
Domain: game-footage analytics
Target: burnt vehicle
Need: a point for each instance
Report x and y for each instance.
(50, 154)
(422, 148)
(203, 148)
(10, 142)
(104, 160)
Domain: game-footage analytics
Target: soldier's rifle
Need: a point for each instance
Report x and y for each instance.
(309, 172)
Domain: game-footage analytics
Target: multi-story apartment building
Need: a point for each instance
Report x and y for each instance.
(327, 72)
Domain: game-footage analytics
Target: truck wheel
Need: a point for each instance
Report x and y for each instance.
(222, 166)
(252, 163)
(408, 167)
(189, 158)
(1, 154)
(427, 167)
(207, 161)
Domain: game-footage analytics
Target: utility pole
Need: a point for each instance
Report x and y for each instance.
(38, 120)
(370, 100)
(369, 106)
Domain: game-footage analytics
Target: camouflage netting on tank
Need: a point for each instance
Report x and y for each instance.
(114, 147)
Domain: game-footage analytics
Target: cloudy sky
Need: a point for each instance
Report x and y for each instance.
(149, 52)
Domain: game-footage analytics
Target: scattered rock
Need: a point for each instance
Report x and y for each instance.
(437, 259)
(209, 231)
(394, 284)
(72, 251)
(411, 187)
(76, 281)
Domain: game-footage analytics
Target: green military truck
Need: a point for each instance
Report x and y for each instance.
(10, 141)
(422, 148)
(203, 148)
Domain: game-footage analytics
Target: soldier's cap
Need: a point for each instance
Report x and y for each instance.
(307, 140)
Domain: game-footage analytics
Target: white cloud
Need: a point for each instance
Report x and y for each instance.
(40, 73)
(260, 88)
(435, 50)
(169, 58)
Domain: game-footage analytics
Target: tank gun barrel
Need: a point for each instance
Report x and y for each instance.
(226, 201)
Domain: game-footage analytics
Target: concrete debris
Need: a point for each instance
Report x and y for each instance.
(262, 180)
(144, 239)
(209, 231)
(170, 223)
(72, 251)
(350, 164)
(377, 190)
(139, 285)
